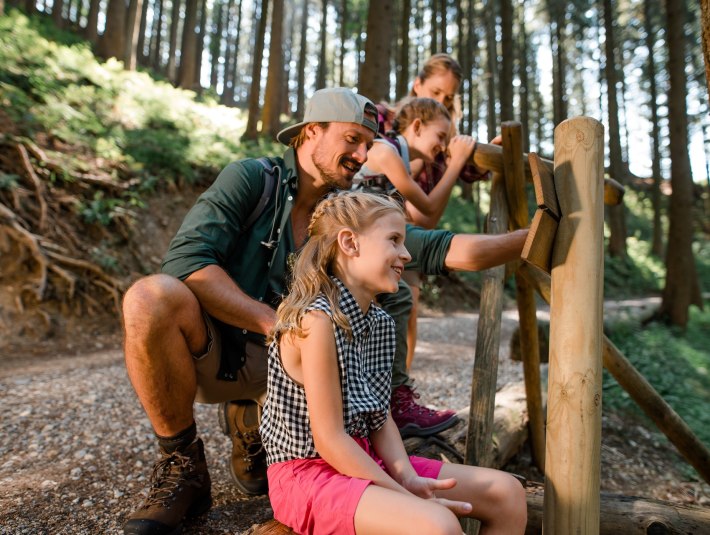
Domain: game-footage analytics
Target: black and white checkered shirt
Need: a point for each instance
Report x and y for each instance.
(365, 369)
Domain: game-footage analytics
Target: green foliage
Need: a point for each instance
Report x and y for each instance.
(677, 365)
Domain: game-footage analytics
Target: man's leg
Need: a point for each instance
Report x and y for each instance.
(411, 418)
(163, 328)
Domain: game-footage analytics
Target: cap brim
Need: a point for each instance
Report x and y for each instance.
(288, 133)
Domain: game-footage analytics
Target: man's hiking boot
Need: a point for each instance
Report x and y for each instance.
(180, 487)
(240, 421)
(414, 420)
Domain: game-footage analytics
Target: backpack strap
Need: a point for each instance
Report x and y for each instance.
(269, 180)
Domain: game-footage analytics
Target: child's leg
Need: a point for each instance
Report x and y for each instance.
(412, 327)
(383, 511)
(498, 499)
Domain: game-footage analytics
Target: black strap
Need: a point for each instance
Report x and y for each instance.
(265, 194)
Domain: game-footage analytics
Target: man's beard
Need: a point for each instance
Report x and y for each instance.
(331, 178)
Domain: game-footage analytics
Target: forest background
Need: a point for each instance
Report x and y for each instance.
(100, 156)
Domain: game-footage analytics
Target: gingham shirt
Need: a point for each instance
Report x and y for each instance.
(365, 370)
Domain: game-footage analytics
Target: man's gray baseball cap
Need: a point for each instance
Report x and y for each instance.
(334, 105)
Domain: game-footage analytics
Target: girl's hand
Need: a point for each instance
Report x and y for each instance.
(460, 149)
(425, 487)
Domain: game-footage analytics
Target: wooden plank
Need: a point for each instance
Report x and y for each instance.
(545, 194)
(573, 442)
(541, 236)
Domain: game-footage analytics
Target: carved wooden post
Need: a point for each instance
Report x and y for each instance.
(529, 345)
(572, 463)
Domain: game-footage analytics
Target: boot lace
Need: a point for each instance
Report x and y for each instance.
(251, 447)
(405, 402)
(169, 474)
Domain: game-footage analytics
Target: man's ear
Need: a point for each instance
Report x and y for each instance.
(348, 243)
(311, 130)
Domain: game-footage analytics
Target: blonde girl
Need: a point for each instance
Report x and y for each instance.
(336, 461)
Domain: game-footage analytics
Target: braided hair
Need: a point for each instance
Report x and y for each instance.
(354, 210)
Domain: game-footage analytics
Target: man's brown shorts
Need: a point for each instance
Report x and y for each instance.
(251, 378)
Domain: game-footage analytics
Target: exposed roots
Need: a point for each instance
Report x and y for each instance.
(42, 239)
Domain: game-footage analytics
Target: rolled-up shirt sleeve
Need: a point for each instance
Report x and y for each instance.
(428, 249)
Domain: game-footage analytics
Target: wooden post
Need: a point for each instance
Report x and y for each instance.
(529, 343)
(485, 366)
(479, 434)
(572, 461)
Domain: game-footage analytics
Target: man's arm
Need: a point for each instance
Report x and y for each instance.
(221, 298)
(476, 252)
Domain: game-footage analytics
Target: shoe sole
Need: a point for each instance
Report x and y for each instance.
(413, 430)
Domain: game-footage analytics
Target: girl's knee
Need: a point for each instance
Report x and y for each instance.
(441, 521)
(511, 499)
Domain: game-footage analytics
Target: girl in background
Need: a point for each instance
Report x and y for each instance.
(337, 463)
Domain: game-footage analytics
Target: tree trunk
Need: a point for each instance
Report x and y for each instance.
(272, 96)
(617, 219)
(443, 22)
(156, 38)
(57, 7)
(403, 61)
(141, 56)
(506, 74)
(434, 45)
(216, 42)
(657, 240)
(682, 287)
(322, 65)
(251, 131)
(200, 45)
(229, 55)
(188, 48)
(492, 66)
(91, 32)
(374, 81)
(133, 24)
(705, 24)
(343, 38)
(113, 41)
(524, 81)
(557, 9)
(302, 51)
(174, 30)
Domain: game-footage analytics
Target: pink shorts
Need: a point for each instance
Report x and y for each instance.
(311, 497)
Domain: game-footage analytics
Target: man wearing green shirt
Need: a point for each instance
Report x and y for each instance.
(195, 332)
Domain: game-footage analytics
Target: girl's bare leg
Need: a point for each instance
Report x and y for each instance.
(497, 498)
(387, 512)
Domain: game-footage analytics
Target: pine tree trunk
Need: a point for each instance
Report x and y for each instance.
(229, 55)
(57, 7)
(272, 95)
(442, 28)
(492, 63)
(216, 42)
(302, 51)
(434, 46)
(374, 81)
(322, 65)
(657, 240)
(91, 32)
(113, 41)
(705, 25)
(616, 215)
(200, 46)
(344, 17)
(188, 48)
(255, 91)
(682, 287)
(133, 24)
(506, 74)
(156, 38)
(142, 57)
(174, 30)
(524, 81)
(403, 60)
(559, 65)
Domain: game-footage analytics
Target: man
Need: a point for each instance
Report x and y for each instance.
(195, 332)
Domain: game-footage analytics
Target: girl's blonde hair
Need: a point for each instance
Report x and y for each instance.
(354, 210)
(424, 109)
